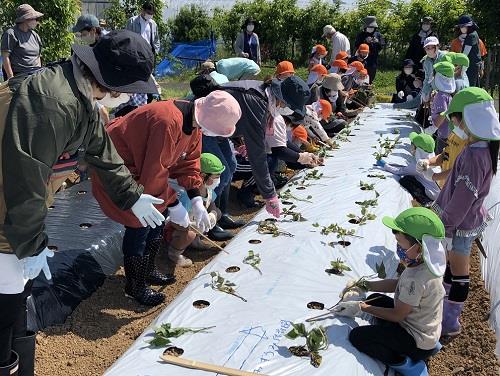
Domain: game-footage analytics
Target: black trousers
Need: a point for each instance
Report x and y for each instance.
(386, 341)
(13, 321)
(416, 189)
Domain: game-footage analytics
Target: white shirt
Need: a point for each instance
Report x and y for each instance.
(339, 43)
(145, 29)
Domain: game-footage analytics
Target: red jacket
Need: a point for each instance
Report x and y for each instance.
(151, 142)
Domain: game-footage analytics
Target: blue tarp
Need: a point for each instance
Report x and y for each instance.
(180, 55)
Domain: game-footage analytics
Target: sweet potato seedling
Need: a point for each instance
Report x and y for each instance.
(224, 285)
(253, 259)
(367, 203)
(290, 212)
(165, 332)
(338, 267)
(288, 195)
(363, 218)
(270, 227)
(379, 176)
(316, 341)
(334, 228)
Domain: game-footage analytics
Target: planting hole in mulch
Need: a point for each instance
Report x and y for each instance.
(334, 271)
(173, 351)
(233, 269)
(81, 192)
(363, 188)
(301, 188)
(357, 129)
(298, 350)
(354, 221)
(287, 202)
(271, 220)
(53, 248)
(315, 305)
(344, 243)
(85, 225)
(200, 304)
(255, 241)
(51, 207)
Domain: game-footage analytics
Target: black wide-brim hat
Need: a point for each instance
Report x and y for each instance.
(121, 61)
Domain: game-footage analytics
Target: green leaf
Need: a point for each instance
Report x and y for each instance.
(292, 334)
(301, 329)
(159, 342)
(381, 270)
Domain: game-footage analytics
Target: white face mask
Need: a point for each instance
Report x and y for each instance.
(109, 101)
(32, 24)
(215, 184)
(250, 28)
(359, 81)
(317, 107)
(87, 39)
(426, 27)
(370, 29)
(408, 71)
(284, 111)
(148, 17)
(460, 133)
(464, 30)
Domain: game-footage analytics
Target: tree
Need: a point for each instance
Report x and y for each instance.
(55, 27)
(192, 23)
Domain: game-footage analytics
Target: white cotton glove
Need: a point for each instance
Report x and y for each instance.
(409, 97)
(347, 309)
(32, 266)
(212, 216)
(307, 159)
(430, 130)
(146, 213)
(401, 94)
(447, 244)
(422, 165)
(200, 214)
(428, 174)
(350, 293)
(179, 215)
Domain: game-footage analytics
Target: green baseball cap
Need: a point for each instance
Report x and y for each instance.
(211, 164)
(417, 222)
(423, 141)
(445, 68)
(478, 111)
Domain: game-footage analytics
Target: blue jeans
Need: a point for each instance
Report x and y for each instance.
(463, 244)
(220, 147)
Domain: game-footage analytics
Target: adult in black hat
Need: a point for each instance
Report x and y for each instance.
(375, 41)
(42, 117)
(470, 47)
(408, 84)
(21, 45)
(247, 42)
(415, 50)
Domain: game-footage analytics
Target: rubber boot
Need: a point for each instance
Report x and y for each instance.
(410, 368)
(135, 286)
(447, 287)
(25, 349)
(218, 234)
(153, 275)
(246, 197)
(228, 223)
(451, 313)
(13, 368)
(176, 256)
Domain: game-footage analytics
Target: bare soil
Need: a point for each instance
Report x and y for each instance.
(104, 326)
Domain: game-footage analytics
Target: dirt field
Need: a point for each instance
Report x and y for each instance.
(104, 326)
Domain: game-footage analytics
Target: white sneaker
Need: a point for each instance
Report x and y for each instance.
(177, 257)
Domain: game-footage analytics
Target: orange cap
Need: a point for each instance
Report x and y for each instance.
(341, 55)
(284, 67)
(326, 108)
(300, 133)
(320, 49)
(319, 69)
(363, 72)
(364, 48)
(358, 65)
(340, 64)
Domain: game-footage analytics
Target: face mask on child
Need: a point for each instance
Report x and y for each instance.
(408, 71)
(284, 111)
(112, 102)
(402, 254)
(460, 133)
(215, 184)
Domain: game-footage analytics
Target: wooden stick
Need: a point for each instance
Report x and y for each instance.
(208, 239)
(330, 313)
(193, 364)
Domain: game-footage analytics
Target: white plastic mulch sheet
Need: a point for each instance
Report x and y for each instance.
(490, 266)
(250, 335)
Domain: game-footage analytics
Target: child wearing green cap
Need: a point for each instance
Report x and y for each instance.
(460, 203)
(408, 327)
(444, 82)
(179, 238)
(422, 190)
(461, 63)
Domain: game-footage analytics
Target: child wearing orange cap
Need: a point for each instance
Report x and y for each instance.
(352, 74)
(318, 53)
(284, 69)
(320, 110)
(339, 66)
(342, 55)
(316, 74)
(361, 54)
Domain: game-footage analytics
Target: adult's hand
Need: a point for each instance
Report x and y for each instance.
(200, 214)
(307, 159)
(147, 214)
(347, 309)
(422, 165)
(32, 266)
(179, 215)
(273, 206)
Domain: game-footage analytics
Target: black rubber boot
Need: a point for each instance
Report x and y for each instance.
(246, 197)
(25, 349)
(228, 223)
(219, 234)
(135, 286)
(153, 275)
(13, 368)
